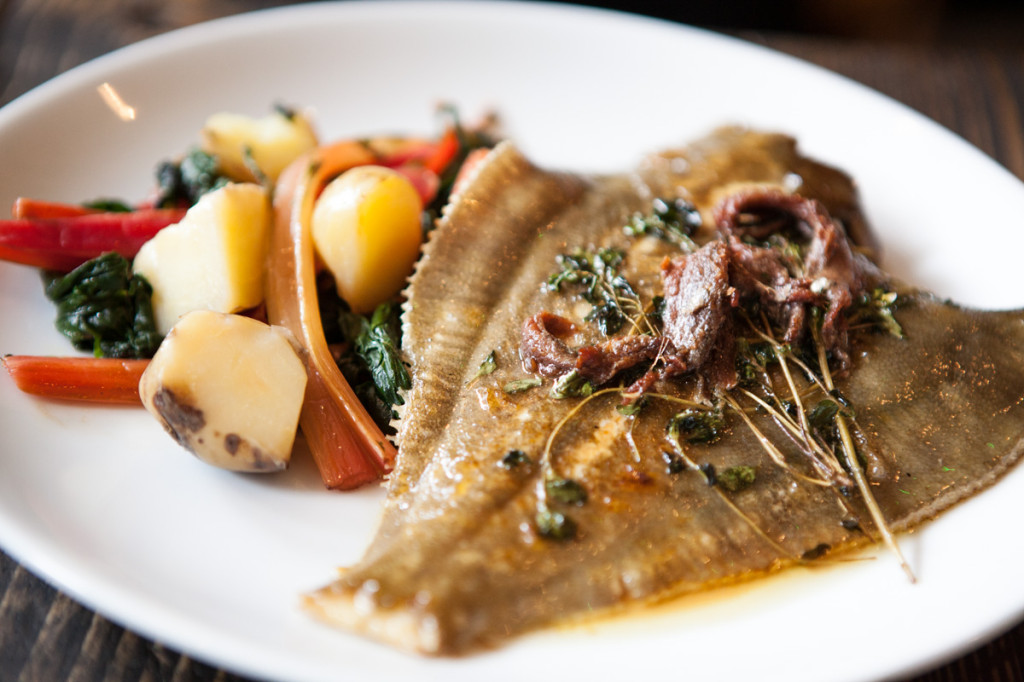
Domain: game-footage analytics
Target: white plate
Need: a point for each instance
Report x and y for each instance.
(104, 505)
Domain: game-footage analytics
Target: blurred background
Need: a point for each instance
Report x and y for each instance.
(955, 22)
(29, 29)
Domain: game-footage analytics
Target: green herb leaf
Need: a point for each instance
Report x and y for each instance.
(710, 474)
(285, 110)
(571, 385)
(696, 426)
(674, 464)
(754, 357)
(566, 491)
(633, 408)
(737, 478)
(608, 316)
(816, 552)
(521, 385)
(877, 309)
(514, 459)
(488, 366)
(823, 414)
(555, 525)
(674, 221)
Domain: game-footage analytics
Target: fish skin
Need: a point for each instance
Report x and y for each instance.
(457, 564)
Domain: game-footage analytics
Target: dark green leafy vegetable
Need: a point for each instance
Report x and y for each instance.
(376, 341)
(371, 363)
(358, 377)
(108, 205)
(103, 307)
(184, 182)
(761, 353)
(823, 415)
(751, 360)
(469, 140)
(289, 112)
(331, 307)
(656, 312)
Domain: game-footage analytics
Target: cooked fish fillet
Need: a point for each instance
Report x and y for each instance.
(461, 560)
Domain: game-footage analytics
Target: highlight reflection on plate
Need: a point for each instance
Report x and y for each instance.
(102, 503)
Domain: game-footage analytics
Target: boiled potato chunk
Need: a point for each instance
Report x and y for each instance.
(367, 230)
(213, 259)
(229, 389)
(271, 142)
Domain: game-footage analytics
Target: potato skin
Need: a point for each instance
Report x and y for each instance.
(228, 389)
(185, 423)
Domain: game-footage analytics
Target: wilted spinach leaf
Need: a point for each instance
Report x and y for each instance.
(374, 342)
(103, 307)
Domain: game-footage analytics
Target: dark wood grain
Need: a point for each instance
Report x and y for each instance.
(975, 91)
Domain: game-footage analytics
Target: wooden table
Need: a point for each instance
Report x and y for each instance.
(978, 92)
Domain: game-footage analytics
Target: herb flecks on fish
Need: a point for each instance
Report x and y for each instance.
(595, 276)
(487, 366)
(761, 316)
(672, 220)
(515, 459)
(697, 426)
(552, 525)
(877, 309)
(571, 385)
(737, 478)
(521, 385)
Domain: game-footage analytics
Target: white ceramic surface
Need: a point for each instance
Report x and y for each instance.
(103, 504)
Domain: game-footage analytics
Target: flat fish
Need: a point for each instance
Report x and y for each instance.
(511, 510)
